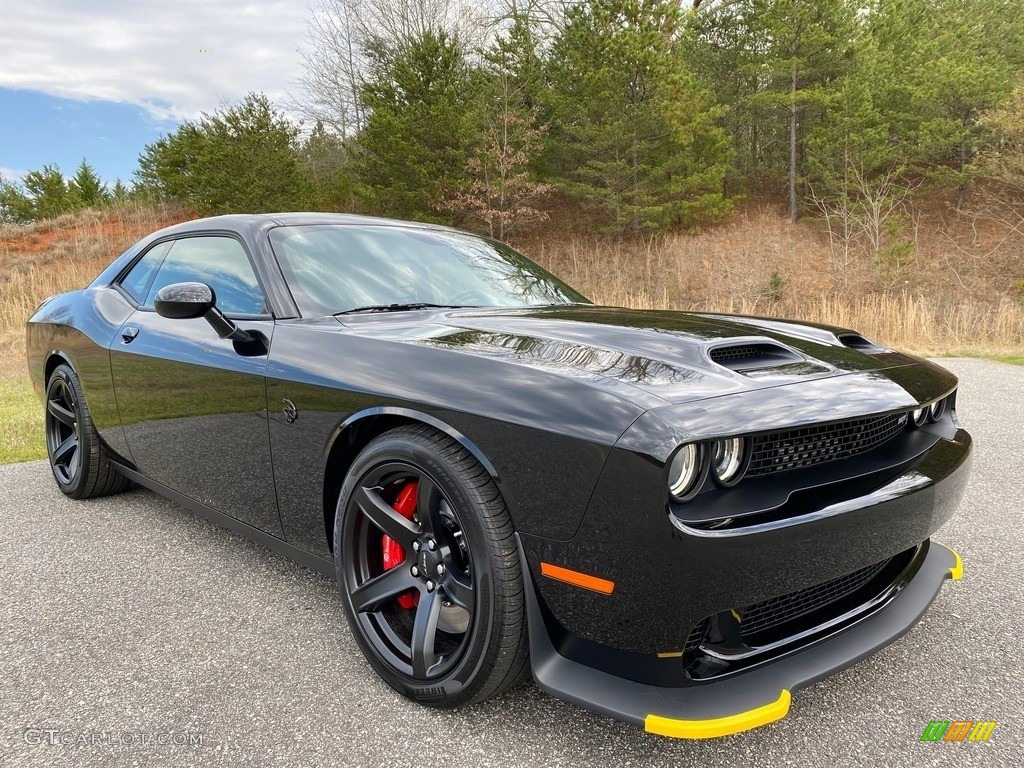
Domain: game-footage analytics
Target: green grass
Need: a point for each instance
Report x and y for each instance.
(1011, 359)
(21, 421)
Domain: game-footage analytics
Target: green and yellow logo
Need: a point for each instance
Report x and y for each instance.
(958, 730)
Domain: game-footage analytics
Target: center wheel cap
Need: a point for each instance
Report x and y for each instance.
(427, 562)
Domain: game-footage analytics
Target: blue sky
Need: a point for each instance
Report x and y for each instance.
(51, 130)
(102, 80)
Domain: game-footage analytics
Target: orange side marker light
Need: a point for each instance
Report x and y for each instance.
(577, 579)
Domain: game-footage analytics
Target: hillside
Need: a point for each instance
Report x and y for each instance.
(957, 291)
(959, 294)
(60, 255)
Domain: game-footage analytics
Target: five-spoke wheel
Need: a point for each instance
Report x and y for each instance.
(62, 435)
(428, 569)
(78, 457)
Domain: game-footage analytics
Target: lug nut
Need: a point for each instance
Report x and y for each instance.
(416, 546)
(431, 545)
(415, 571)
(440, 569)
(430, 585)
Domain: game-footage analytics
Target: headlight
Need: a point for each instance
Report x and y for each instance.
(937, 409)
(920, 415)
(686, 471)
(729, 460)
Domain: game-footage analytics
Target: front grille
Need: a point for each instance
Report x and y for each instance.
(808, 446)
(780, 610)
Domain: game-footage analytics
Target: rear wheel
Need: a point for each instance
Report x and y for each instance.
(78, 457)
(429, 570)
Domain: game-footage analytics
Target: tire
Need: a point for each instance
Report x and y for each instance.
(78, 458)
(435, 600)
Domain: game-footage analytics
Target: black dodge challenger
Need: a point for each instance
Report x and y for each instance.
(671, 518)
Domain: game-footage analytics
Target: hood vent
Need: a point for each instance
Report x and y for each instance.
(749, 356)
(859, 343)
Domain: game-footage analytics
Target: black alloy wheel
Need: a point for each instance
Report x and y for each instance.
(63, 442)
(429, 570)
(78, 457)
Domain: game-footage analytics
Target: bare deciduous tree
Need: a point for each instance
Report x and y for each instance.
(334, 68)
(340, 32)
(871, 222)
(501, 195)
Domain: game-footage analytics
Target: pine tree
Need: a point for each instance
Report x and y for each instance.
(119, 193)
(239, 159)
(723, 47)
(634, 137)
(423, 120)
(502, 192)
(775, 64)
(15, 206)
(87, 188)
(939, 64)
(1002, 161)
(326, 166)
(48, 192)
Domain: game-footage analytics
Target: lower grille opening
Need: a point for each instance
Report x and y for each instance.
(754, 633)
(776, 611)
(695, 637)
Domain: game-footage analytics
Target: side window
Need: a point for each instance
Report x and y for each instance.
(221, 263)
(136, 283)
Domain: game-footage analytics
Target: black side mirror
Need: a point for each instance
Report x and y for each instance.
(184, 301)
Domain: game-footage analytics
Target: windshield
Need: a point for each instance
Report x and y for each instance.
(338, 268)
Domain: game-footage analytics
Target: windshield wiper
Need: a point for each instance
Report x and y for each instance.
(396, 308)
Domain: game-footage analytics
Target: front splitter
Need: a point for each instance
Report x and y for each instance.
(746, 700)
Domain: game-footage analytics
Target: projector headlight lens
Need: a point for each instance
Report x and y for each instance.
(685, 471)
(729, 460)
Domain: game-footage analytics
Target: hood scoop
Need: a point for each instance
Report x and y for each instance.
(859, 343)
(753, 356)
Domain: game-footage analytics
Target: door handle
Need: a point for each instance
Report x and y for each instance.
(128, 335)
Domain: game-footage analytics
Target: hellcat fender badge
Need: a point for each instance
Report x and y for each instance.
(291, 413)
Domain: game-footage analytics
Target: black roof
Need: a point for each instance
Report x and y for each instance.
(249, 221)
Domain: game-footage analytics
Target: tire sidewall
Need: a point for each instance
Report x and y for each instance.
(462, 680)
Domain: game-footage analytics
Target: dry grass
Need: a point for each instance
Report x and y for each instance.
(61, 255)
(956, 299)
(959, 297)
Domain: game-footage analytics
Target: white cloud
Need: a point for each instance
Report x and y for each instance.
(154, 54)
(12, 174)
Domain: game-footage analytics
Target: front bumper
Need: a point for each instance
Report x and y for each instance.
(740, 702)
(669, 576)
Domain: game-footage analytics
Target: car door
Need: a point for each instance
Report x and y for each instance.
(192, 405)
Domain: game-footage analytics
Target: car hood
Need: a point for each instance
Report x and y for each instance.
(650, 357)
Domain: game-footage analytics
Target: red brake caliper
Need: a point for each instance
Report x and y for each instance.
(394, 554)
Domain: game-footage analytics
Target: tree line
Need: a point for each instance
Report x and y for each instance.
(47, 193)
(637, 116)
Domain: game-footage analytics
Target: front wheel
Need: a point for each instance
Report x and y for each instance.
(429, 571)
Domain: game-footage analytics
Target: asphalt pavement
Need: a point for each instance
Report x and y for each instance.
(136, 633)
